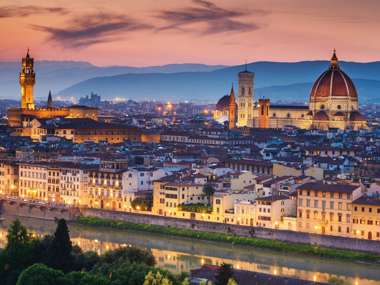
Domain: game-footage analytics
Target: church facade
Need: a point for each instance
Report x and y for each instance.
(22, 118)
(333, 103)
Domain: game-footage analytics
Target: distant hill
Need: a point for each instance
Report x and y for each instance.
(196, 82)
(279, 81)
(58, 75)
(369, 91)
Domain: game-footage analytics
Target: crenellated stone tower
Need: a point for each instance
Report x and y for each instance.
(27, 81)
(245, 99)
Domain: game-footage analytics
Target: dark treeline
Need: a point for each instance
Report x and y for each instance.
(27, 260)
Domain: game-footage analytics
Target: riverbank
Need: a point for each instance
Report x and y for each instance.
(233, 239)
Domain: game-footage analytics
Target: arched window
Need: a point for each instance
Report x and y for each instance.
(274, 115)
(322, 107)
(288, 115)
(339, 107)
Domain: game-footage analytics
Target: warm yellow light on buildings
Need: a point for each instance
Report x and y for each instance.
(169, 106)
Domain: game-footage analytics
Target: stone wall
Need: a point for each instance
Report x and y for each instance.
(39, 211)
(33, 210)
(287, 236)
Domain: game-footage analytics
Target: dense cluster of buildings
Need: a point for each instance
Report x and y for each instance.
(320, 178)
(309, 181)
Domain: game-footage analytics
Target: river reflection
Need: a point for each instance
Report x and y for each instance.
(180, 254)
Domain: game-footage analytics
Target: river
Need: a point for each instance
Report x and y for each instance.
(181, 254)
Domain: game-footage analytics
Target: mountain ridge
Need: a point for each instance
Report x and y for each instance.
(210, 86)
(195, 82)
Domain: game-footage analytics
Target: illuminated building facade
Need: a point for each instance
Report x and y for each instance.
(366, 217)
(333, 103)
(21, 117)
(326, 208)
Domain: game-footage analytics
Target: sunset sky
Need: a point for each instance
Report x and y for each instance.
(153, 32)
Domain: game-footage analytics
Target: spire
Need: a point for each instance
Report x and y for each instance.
(50, 100)
(232, 109)
(334, 59)
(27, 53)
(232, 90)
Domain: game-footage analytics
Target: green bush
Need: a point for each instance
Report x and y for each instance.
(142, 204)
(195, 208)
(222, 237)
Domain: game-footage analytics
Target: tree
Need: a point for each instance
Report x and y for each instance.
(18, 254)
(158, 279)
(232, 281)
(85, 278)
(60, 256)
(130, 255)
(85, 260)
(143, 204)
(208, 191)
(129, 274)
(17, 235)
(40, 274)
(224, 273)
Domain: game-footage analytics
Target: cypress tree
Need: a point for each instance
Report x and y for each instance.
(60, 252)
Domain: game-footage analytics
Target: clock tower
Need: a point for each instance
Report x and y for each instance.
(27, 81)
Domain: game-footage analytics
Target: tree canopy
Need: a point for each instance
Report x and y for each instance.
(224, 274)
(208, 191)
(54, 260)
(60, 256)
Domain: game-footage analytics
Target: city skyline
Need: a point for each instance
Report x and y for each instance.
(178, 142)
(163, 32)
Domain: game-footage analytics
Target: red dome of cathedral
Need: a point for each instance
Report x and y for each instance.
(223, 103)
(333, 83)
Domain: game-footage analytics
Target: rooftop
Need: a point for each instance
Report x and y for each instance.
(324, 187)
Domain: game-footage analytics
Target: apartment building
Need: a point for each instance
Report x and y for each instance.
(104, 190)
(326, 208)
(271, 210)
(73, 182)
(366, 217)
(245, 212)
(33, 181)
(8, 178)
(171, 192)
(139, 179)
(53, 184)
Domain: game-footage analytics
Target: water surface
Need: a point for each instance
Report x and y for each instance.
(182, 254)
